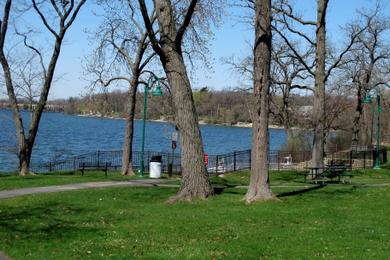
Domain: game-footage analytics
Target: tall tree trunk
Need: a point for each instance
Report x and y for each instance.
(194, 183)
(356, 120)
(259, 188)
(319, 93)
(360, 137)
(127, 159)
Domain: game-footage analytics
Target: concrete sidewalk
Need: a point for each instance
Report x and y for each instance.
(79, 186)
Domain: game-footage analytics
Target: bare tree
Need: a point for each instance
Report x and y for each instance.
(121, 55)
(259, 188)
(287, 75)
(369, 66)
(27, 79)
(288, 25)
(65, 13)
(175, 22)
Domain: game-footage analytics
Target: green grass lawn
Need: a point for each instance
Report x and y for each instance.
(12, 181)
(334, 221)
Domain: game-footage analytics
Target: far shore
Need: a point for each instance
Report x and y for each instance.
(201, 122)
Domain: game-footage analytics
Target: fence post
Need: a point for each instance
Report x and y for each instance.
(147, 162)
(82, 170)
(250, 159)
(98, 158)
(350, 158)
(216, 164)
(234, 162)
(364, 160)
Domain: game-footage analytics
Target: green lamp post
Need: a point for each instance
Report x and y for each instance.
(368, 100)
(378, 128)
(153, 83)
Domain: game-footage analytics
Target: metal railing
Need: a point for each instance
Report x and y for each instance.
(112, 158)
(230, 162)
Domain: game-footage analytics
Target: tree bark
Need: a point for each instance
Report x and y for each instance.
(259, 188)
(356, 120)
(319, 93)
(127, 156)
(194, 183)
(360, 137)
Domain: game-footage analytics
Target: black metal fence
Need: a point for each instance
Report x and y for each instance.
(230, 162)
(112, 158)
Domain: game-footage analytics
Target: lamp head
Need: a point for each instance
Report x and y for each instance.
(157, 92)
(367, 99)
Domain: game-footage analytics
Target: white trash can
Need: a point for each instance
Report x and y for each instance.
(155, 167)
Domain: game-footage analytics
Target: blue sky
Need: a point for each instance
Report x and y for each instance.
(231, 38)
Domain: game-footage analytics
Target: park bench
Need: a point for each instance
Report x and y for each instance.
(94, 166)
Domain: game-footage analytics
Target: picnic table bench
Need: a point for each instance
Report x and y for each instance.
(330, 171)
(94, 166)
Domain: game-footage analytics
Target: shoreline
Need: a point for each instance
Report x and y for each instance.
(201, 122)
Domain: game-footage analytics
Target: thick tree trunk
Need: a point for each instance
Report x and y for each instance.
(356, 120)
(359, 127)
(24, 162)
(127, 162)
(194, 183)
(319, 93)
(259, 188)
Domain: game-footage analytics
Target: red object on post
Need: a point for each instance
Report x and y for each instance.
(206, 159)
(173, 145)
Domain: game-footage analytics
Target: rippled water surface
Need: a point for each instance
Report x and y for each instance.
(62, 136)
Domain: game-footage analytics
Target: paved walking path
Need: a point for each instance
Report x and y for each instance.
(78, 186)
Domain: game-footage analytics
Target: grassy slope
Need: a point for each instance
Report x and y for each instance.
(331, 222)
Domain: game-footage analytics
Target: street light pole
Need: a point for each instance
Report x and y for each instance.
(146, 90)
(368, 100)
(157, 92)
(378, 128)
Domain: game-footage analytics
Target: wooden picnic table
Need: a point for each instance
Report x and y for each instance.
(328, 171)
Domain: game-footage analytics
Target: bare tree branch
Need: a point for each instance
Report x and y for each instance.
(182, 29)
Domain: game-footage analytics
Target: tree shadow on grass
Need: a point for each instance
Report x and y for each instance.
(299, 192)
(50, 221)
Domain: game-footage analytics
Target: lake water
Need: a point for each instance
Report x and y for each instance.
(62, 136)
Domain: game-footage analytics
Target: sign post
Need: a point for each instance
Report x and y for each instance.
(174, 145)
